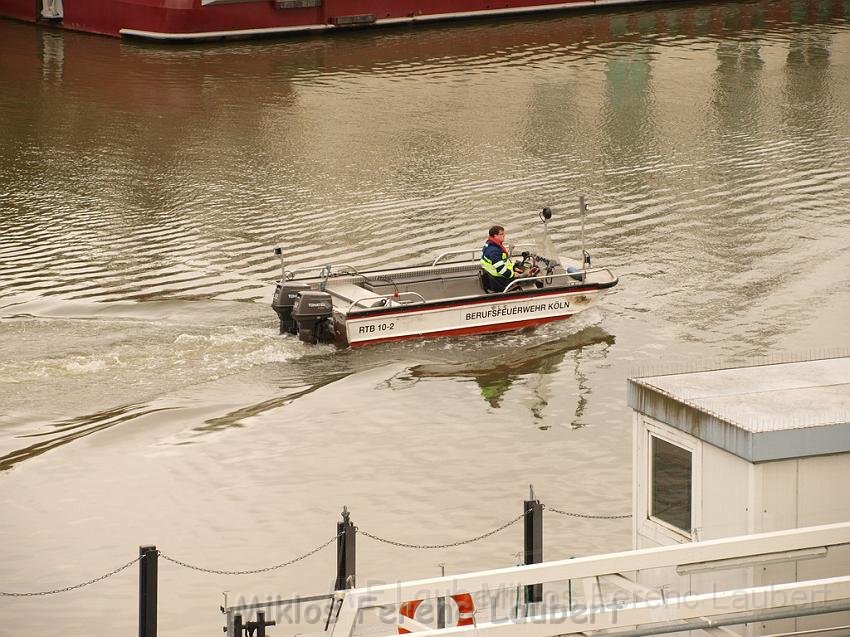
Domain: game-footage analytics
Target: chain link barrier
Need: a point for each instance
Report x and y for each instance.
(589, 516)
(252, 571)
(75, 586)
(179, 563)
(314, 551)
(443, 546)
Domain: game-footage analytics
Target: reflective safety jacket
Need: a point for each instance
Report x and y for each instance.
(498, 268)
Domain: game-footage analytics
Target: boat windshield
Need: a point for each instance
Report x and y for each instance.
(542, 246)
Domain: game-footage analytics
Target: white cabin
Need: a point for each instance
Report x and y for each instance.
(738, 451)
(741, 523)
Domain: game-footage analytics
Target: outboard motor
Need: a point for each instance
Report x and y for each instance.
(313, 312)
(284, 298)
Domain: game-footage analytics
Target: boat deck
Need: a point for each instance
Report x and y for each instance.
(424, 284)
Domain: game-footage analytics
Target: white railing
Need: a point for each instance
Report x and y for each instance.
(400, 298)
(475, 252)
(832, 593)
(578, 277)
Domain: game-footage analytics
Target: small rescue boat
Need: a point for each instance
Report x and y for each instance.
(445, 297)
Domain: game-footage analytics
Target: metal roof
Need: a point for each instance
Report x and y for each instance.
(758, 412)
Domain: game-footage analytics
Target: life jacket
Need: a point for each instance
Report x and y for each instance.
(495, 261)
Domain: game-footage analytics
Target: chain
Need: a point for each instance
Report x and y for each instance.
(70, 588)
(313, 552)
(588, 515)
(251, 572)
(444, 546)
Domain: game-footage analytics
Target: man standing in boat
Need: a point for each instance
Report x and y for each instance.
(498, 269)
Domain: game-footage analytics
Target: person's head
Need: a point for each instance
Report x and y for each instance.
(497, 232)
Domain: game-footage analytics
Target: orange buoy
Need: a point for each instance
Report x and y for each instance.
(465, 610)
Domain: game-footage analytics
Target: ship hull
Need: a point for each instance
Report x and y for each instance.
(218, 19)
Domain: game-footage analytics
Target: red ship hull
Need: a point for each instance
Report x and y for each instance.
(214, 19)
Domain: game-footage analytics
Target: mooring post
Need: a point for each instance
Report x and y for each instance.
(147, 590)
(441, 601)
(345, 552)
(262, 623)
(533, 543)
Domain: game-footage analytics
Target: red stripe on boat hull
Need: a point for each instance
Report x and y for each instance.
(464, 331)
(469, 302)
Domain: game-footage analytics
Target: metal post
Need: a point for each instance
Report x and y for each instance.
(279, 253)
(441, 601)
(147, 590)
(585, 255)
(582, 208)
(345, 552)
(533, 543)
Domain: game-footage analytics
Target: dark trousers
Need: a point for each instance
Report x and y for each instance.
(495, 283)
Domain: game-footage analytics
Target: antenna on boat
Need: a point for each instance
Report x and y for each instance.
(585, 257)
(582, 209)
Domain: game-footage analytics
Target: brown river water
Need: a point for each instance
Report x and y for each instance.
(146, 397)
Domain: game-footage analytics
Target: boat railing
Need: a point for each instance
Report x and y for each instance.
(577, 277)
(342, 270)
(475, 252)
(398, 297)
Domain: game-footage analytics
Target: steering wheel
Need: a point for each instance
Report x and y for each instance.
(529, 261)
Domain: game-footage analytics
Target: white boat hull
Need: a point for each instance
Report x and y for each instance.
(473, 316)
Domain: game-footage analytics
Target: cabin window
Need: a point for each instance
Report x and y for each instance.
(671, 484)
